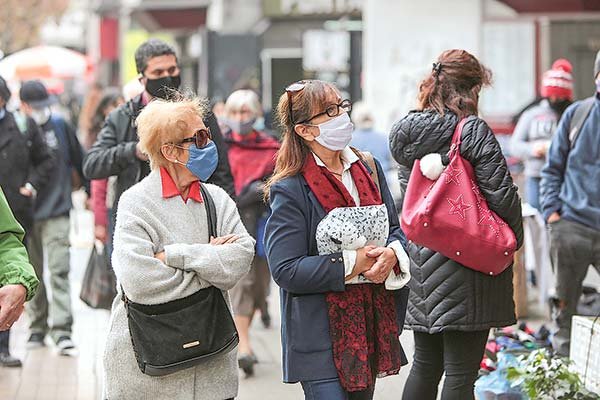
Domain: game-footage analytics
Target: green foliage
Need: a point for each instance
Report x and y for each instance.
(543, 377)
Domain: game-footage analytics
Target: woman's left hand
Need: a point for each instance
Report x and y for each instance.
(227, 239)
(160, 256)
(386, 259)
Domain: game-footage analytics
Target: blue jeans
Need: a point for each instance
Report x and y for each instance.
(330, 389)
(532, 192)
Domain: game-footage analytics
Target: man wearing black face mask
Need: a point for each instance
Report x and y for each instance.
(116, 150)
(533, 133)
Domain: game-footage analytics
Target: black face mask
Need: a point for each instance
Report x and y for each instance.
(559, 106)
(163, 87)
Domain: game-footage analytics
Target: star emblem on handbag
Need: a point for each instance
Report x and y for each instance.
(487, 219)
(459, 207)
(478, 196)
(452, 175)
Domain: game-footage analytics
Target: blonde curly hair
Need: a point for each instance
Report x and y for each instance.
(167, 121)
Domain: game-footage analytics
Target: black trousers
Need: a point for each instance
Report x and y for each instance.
(457, 353)
(4, 338)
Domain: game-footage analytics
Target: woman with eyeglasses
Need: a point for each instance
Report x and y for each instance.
(251, 155)
(341, 314)
(163, 252)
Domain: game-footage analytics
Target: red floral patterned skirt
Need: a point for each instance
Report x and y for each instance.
(364, 334)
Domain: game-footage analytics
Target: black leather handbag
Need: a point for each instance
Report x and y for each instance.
(182, 333)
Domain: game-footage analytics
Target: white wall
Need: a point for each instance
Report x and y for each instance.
(402, 38)
(233, 16)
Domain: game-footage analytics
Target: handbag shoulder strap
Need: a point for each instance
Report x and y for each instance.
(211, 211)
(457, 136)
(369, 161)
(211, 214)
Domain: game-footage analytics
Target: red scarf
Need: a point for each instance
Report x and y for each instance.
(251, 158)
(362, 319)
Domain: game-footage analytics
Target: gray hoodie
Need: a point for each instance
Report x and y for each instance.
(536, 126)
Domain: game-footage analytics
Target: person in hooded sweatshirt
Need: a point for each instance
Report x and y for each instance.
(570, 199)
(50, 233)
(533, 133)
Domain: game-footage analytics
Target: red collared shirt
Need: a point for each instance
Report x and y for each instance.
(169, 189)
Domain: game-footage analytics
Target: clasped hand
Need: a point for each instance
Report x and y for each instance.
(374, 263)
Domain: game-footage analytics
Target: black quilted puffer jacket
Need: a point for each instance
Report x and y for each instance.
(444, 294)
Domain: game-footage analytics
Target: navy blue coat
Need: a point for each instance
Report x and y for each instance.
(304, 277)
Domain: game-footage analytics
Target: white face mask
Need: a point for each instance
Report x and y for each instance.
(41, 116)
(336, 133)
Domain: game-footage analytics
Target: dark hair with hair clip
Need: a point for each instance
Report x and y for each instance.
(457, 88)
(437, 69)
(307, 102)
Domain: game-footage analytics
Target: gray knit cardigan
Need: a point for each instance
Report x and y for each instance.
(146, 224)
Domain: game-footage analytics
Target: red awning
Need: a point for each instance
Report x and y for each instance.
(552, 6)
(171, 14)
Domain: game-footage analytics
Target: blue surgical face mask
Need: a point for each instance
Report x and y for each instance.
(2, 113)
(259, 124)
(203, 162)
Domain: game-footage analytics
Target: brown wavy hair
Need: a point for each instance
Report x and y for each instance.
(454, 84)
(293, 151)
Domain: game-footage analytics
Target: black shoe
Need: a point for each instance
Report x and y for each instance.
(265, 318)
(36, 340)
(246, 363)
(6, 360)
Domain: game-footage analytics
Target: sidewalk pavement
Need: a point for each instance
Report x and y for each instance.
(47, 376)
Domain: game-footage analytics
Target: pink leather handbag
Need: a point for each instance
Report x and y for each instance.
(451, 216)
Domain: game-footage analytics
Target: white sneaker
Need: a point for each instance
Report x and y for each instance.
(65, 346)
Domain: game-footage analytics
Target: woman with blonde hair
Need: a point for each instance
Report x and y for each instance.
(342, 289)
(164, 256)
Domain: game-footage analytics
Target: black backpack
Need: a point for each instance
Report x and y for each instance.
(581, 113)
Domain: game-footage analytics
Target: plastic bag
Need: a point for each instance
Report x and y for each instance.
(99, 285)
(495, 386)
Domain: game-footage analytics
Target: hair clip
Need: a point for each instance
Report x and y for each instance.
(437, 69)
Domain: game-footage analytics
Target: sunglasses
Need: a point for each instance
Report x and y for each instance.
(290, 90)
(200, 138)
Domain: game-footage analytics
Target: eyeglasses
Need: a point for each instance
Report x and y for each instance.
(293, 88)
(333, 110)
(200, 138)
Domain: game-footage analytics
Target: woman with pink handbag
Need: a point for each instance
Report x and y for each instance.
(453, 304)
